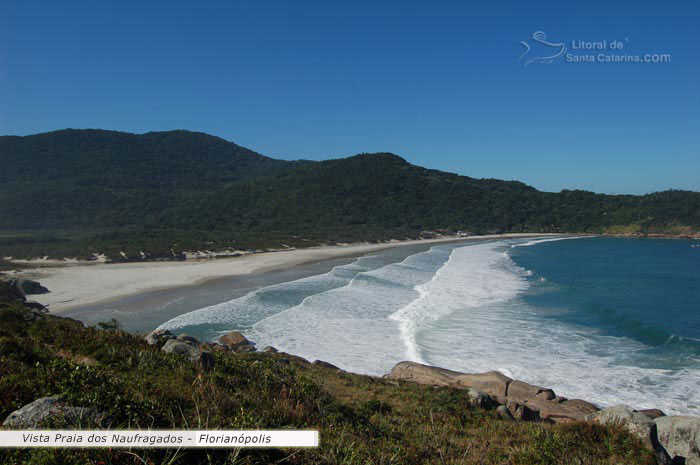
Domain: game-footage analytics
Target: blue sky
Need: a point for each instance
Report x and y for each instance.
(435, 82)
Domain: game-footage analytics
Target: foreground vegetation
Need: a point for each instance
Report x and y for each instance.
(362, 420)
(73, 193)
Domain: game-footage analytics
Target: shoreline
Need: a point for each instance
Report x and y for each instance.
(76, 286)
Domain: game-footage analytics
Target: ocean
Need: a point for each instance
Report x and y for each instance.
(608, 320)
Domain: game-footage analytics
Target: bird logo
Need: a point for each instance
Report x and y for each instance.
(538, 50)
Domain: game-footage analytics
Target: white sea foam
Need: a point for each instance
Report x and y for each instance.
(243, 312)
(349, 325)
(554, 239)
(575, 361)
(473, 277)
(457, 307)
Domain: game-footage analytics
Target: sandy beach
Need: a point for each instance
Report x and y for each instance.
(89, 284)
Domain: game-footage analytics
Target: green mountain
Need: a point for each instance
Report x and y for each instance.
(83, 191)
(92, 178)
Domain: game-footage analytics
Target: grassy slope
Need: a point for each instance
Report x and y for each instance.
(362, 420)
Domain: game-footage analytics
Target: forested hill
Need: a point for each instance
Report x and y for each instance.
(87, 178)
(162, 190)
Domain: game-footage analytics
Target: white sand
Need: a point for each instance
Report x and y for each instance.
(81, 285)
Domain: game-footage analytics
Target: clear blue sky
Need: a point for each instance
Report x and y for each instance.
(435, 82)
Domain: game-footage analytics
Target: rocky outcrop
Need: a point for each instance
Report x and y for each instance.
(521, 390)
(237, 342)
(188, 339)
(504, 413)
(52, 411)
(27, 287)
(323, 364)
(202, 358)
(636, 423)
(652, 413)
(523, 401)
(173, 346)
(492, 383)
(680, 436)
(158, 336)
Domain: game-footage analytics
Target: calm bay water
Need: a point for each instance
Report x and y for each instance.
(604, 319)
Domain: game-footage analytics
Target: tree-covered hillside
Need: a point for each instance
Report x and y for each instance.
(76, 192)
(86, 178)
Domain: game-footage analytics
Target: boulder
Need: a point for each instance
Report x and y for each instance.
(504, 413)
(244, 348)
(581, 405)
(423, 374)
(233, 339)
(187, 339)
(202, 358)
(158, 336)
(219, 348)
(323, 364)
(653, 413)
(237, 342)
(481, 399)
(270, 350)
(492, 383)
(52, 411)
(561, 412)
(522, 412)
(173, 346)
(636, 423)
(680, 436)
(524, 391)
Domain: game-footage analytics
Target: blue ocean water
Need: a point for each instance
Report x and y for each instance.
(603, 319)
(644, 289)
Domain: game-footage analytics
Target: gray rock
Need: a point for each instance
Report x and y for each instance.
(158, 336)
(233, 339)
(52, 411)
(560, 412)
(636, 423)
(270, 350)
(323, 364)
(187, 339)
(481, 399)
(525, 391)
(680, 436)
(653, 413)
(243, 348)
(522, 412)
(492, 383)
(216, 347)
(201, 358)
(174, 346)
(504, 413)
